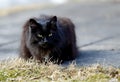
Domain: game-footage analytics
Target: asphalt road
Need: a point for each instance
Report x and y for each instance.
(97, 31)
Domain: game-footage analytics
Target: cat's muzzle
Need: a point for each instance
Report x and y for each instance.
(44, 45)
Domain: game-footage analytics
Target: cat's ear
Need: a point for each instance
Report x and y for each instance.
(33, 23)
(53, 22)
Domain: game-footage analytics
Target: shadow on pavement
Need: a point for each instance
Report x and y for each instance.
(102, 57)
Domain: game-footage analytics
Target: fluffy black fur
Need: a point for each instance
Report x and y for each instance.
(49, 38)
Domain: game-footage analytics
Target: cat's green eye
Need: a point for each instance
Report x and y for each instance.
(39, 35)
(50, 35)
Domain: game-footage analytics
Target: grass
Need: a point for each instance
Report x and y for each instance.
(18, 70)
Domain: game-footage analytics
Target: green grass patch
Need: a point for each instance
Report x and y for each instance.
(18, 70)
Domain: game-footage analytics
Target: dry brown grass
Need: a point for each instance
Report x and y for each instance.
(18, 70)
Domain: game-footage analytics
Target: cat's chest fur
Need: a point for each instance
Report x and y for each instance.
(38, 53)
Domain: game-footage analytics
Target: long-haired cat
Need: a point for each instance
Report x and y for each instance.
(49, 38)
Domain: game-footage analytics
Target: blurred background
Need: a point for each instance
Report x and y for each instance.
(97, 26)
(11, 6)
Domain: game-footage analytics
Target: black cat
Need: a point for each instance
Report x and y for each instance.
(49, 38)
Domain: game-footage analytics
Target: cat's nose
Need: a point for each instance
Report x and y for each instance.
(44, 45)
(45, 40)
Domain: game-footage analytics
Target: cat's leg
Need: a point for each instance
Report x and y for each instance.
(69, 52)
(53, 57)
(25, 53)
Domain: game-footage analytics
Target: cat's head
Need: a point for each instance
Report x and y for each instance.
(44, 32)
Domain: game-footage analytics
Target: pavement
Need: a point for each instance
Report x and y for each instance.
(97, 31)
